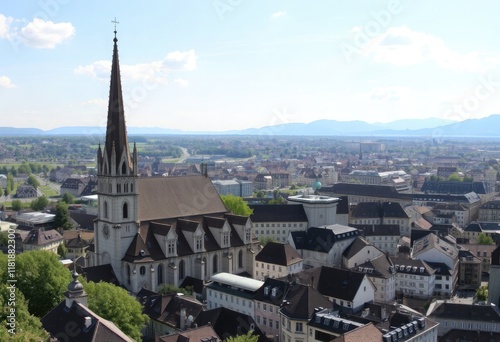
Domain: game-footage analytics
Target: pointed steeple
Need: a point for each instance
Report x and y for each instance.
(116, 131)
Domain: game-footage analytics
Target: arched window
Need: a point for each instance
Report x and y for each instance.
(181, 269)
(124, 169)
(205, 267)
(128, 274)
(160, 275)
(142, 270)
(125, 210)
(105, 214)
(240, 259)
(132, 187)
(215, 264)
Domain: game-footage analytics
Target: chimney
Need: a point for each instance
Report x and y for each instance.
(88, 322)
(183, 319)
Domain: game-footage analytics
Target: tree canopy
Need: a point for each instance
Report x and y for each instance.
(40, 203)
(236, 205)
(482, 293)
(115, 304)
(62, 220)
(249, 337)
(17, 205)
(27, 327)
(68, 198)
(484, 239)
(40, 277)
(33, 181)
(169, 288)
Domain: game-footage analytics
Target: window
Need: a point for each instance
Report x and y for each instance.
(258, 319)
(240, 259)
(225, 239)
(264, 320)
(125, 210)
(198, 243)
(215, 264)
(298, 326)
(181, 269)
(128, 274)
(171, 246)
(270, 323)
(160, 274)
(105, 209)
(264, 306)
(142, 270)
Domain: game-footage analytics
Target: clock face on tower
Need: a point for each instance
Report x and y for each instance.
(105, 231)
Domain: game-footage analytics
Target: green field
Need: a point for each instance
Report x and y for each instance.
(48, 191)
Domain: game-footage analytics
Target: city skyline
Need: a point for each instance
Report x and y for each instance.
(230, 65)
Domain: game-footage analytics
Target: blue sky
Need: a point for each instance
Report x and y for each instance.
(232, 64)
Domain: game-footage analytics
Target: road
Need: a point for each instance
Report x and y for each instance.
(185, 155)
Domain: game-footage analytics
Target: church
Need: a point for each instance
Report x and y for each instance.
(156, 230)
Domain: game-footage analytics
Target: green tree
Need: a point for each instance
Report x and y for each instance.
(4, 238)
(32, 180)
(27, 327)
(115, 304)
(264, 240)
(293, 186)
(68, 198)
(249, 337)
(17, 205)
(40, 203)
(62, 250)
(236, 205)
(467, 179)
(40, 277)
(62, 220)
(454, 177)
(278, 200)
(484, 239)
(260, 194)
(482, 293)
(169, 288)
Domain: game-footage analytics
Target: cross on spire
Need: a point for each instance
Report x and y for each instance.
(115, 22)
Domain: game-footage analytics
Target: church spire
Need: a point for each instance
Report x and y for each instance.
(116, 131)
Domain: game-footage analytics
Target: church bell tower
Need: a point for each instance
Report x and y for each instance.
(117, 174)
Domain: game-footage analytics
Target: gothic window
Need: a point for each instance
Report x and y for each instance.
(142, 270)
(240, 259)
(160, 274)
(125, 187)
(132, 187)
(225, 239)
(124, 169)
(249, 236)
(215, 264)
(171, 247)
(125, 210)
(205, 267)
(128, 274)
(181, 269)
(198, 243)
(110, 189)
(118, 188)
(105, 209)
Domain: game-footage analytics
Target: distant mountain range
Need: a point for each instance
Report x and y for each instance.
(431, 127)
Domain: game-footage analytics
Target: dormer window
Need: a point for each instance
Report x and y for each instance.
(198, 242)
(171, 247)
(248, 235)
(225, 239)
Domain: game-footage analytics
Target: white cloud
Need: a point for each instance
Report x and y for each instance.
(278, 14)
(155, 71)
(5, 82)
(5, 25)
(402, 46)
(43, 34)
(181, 82)
(180, 60)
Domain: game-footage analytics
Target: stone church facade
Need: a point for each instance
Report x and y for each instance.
(156, 230)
